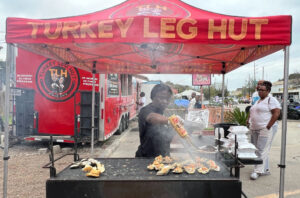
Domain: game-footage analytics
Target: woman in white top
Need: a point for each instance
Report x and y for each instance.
(263, 114)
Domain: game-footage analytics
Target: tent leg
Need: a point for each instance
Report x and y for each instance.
(223, 95)
(93, 109)
(284, 120)
(9, 63)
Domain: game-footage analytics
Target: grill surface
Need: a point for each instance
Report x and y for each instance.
(136, 169)
(129, 178)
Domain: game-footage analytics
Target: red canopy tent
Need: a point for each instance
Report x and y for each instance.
(154, 36)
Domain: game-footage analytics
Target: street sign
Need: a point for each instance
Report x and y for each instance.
(15, 92)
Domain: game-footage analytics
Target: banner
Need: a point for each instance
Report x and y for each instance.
(201, 79)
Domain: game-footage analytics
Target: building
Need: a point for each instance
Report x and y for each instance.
(293, 89)
(238, 92)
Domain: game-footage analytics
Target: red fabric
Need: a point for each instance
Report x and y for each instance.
(153, 36)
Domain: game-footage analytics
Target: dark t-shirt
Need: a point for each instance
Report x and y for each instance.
(198, 105)
(154, 139)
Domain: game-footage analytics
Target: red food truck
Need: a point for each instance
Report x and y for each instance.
(54, 98)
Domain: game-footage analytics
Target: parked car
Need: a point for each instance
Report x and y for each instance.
(244, 101)
(293, 110)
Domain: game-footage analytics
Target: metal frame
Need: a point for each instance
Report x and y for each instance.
(50, 164)
(284, 120)
(10, 56)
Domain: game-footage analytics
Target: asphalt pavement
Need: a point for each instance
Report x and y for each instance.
(125, 145)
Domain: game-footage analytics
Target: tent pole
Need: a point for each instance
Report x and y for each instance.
(284, 120)
(223, 93)
(9, 62)
(93, 109)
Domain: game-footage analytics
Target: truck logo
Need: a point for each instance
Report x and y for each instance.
(57, 81)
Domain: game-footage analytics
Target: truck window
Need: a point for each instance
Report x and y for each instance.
(112, 85)
(124, 85)
(129, 85)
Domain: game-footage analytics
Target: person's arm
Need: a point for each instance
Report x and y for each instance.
(155, 118)
(247, 121)
(275, 115)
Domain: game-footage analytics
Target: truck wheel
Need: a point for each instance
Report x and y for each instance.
(127, 122)
(123, 123)
(120, 130)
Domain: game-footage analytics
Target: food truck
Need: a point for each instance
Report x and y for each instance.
(54, 98)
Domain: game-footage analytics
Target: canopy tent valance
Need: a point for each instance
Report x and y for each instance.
(152, 36)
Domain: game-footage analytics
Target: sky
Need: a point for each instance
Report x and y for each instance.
(271, 66)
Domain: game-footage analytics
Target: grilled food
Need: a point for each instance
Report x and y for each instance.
(159, 159)
(190, 169)
(178, 170)
(91, 166)
(158, 166)
(93, 173)
(213, 165)
(167, 160)
(203, 170)
(87, 168)
(151, 167)
(75, 165)
(164, 171)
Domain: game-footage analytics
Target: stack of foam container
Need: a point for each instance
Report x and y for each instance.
(246, 150)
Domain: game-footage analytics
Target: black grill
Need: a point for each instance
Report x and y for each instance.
(129, 177)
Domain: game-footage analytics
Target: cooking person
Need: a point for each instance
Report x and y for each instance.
(263, 114)
(155, 135)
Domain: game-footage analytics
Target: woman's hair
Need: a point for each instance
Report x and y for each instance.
(268, 85)
(158, 88)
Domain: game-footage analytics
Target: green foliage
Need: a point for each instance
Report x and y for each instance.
(211, 91)
(236, 116)
(294, 76)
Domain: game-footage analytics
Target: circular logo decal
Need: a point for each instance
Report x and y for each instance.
(57, 81)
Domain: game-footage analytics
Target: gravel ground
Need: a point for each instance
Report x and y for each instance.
(26, 177)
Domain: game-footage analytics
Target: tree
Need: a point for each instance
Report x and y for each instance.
(211, 91)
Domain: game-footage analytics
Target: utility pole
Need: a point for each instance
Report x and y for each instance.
(249, 86)
(254, 73)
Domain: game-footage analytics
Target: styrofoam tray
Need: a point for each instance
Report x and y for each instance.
(247, 155)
